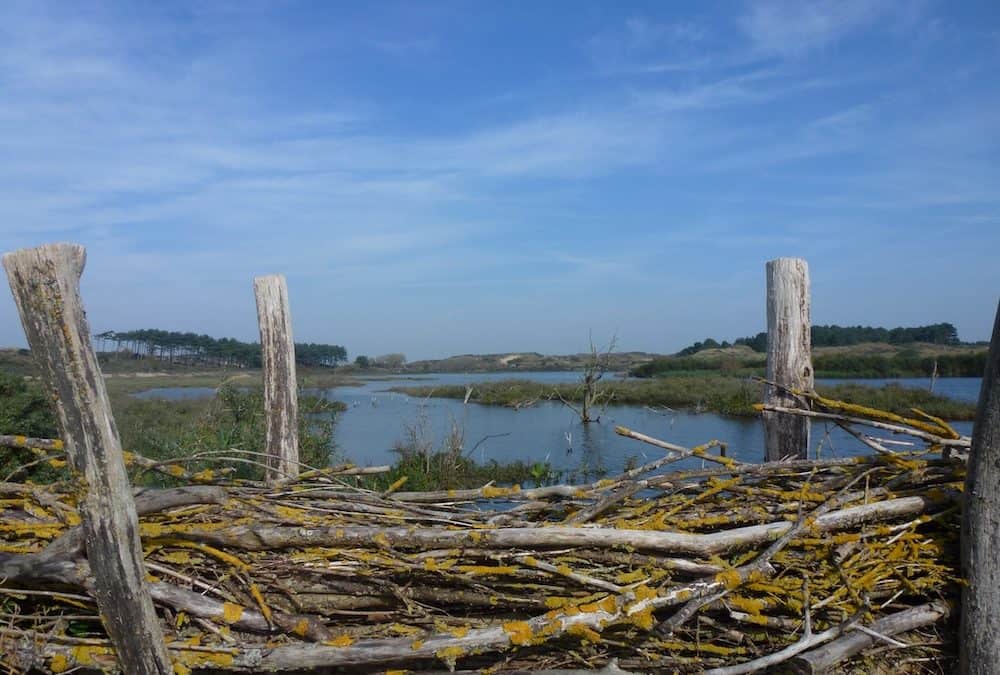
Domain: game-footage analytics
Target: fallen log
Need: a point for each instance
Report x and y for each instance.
(261, 537)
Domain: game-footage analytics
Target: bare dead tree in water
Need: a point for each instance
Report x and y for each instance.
(593, 395)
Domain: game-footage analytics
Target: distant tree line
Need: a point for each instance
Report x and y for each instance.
(709, 343)
(393, 361)
(837, 336)
(192, 348)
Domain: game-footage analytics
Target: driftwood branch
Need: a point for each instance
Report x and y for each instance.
(827, 657)
(807, 642)
(265, 537)
(963, 442)
(280, 386)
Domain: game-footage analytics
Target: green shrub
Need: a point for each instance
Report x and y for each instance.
(229, 425)
(26, 411)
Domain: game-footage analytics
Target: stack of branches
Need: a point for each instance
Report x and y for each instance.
(726, 568)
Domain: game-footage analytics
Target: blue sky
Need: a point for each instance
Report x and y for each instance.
(451, 177)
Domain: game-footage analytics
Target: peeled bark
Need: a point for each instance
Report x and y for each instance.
(280, 387)
(789, 360)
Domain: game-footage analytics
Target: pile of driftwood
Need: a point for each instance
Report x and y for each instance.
(726, 568)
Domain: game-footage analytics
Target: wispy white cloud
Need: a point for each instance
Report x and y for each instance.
(640, 45)
(790, 28)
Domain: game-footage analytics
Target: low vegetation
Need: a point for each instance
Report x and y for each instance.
(24, 410)
(227, 429)
(715, 393)
(862, 361)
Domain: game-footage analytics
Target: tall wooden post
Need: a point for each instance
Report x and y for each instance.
(280, 387)
(979, 642)
(46, 286)
(789, 357)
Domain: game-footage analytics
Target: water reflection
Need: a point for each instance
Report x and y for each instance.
(377, 419)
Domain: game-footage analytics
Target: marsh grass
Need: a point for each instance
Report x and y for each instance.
(900, 400)
(230, 424)
(449, 465)
(26, 411)
(726, 395)
(705, 393)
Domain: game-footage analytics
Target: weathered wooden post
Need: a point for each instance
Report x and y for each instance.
(280, 387)
(789, 359)
(46, 286)
(979, 641)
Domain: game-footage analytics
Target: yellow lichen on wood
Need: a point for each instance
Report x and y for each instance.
(631, 577)
(259, 599)
(491, 492)
(150, 530)
(341, 641)
(640, 610)
(499, 570)
(607, 604)
(204, 476)
(90, 655)
(876, 414)
(729, 578)
(396, 485)
(231, 613)
(702, 647)
(227, 558)
(584, 632)
(950, 430)
(450, 654)
(203, 659)
(519, 632)
(751, 606)
(403, 629)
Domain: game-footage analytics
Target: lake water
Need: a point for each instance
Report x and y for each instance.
(377, 419)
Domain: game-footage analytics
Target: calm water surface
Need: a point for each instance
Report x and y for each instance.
(377, 419)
